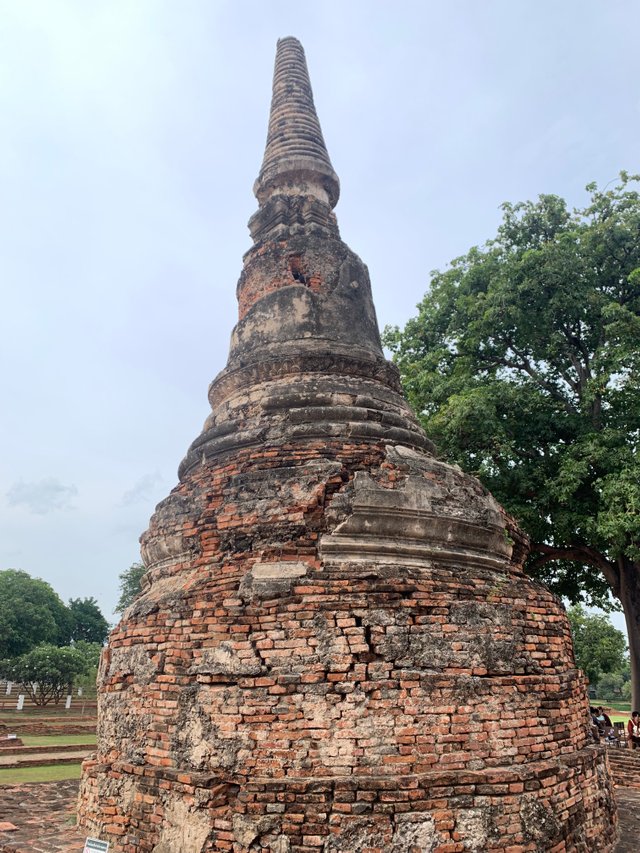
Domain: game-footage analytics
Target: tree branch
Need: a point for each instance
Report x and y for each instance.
(539, 378)
(580, 554)
(525, 365)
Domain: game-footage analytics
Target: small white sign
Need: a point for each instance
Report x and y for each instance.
(91, 845)
(67, 703)
(9, 686)
(20, 704)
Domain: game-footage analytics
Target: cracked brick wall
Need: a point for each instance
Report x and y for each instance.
(336, 648)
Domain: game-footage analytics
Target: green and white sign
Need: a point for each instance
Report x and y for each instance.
(93, 845)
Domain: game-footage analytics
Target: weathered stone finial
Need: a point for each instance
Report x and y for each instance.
(302, 290)
(296, 161)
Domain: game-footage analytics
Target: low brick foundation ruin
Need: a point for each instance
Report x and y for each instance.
(336, 648)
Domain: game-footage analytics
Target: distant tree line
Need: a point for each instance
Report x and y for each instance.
(601, 652)
(46, 645)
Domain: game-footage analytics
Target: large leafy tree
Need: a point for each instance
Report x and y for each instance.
(524, 366)
(130, 587)
(599, 647)
(91, 653)
(30, 613)
(615, 686)
(88, 623)
(46, 672)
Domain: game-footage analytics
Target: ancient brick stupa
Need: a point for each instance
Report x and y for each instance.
(336, 648)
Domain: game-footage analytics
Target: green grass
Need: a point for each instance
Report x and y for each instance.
(623, 707)
(621, 710)
(47, 773)
(619, 718)
(57, 740)
(54, 720)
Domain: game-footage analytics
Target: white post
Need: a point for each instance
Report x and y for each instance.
(9, 686)
(20, 704)
(67, 704)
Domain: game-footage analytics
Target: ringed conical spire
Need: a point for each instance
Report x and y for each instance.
(295, 158)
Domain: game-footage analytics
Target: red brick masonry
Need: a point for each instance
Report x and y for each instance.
(44, 814)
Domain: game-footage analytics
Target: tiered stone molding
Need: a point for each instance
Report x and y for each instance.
(336, 648)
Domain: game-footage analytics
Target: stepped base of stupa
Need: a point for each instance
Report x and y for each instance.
(384, 677)
(446, 811)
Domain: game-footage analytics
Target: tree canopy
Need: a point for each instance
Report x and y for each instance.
(30, 613)
(87, 621)
(129, 585)
(90, 652)
(46, 672)
(616, 686)
(524, 367)
(599, 646)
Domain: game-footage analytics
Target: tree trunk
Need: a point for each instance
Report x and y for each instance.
(623, 577)
(629, 596)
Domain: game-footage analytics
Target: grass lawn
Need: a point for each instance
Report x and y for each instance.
(621, 711)
(622, 707)
(49, 773)
(57, 740)
(52, 719)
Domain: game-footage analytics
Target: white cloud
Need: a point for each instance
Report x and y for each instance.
(42, 497)
(142, 490)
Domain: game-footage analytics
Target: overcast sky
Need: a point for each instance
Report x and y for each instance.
(130, 136)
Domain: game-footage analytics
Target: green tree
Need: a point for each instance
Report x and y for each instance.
(523, 364)
(91, 653)
(616, 686)
(599, 647)
(88, 623)
(130, 585)
(46, 672)
(30, 613)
